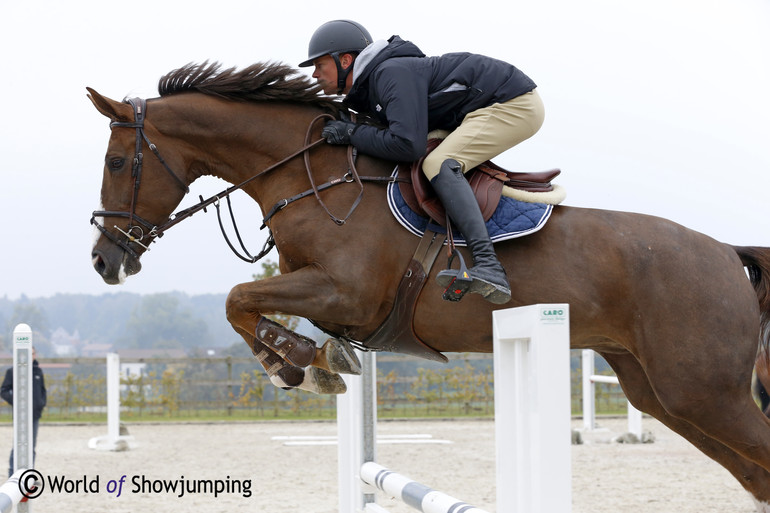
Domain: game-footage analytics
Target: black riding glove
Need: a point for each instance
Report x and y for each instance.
(338, 132)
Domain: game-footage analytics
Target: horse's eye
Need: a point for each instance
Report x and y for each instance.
(116, 164)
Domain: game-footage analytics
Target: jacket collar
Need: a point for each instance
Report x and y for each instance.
(379, 51)
(366, 56)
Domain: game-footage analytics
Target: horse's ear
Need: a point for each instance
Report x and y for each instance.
(116, 111)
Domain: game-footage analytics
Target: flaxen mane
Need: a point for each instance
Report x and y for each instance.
(263, 81)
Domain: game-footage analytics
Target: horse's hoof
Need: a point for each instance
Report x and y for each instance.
(341, 357)
(320, 381)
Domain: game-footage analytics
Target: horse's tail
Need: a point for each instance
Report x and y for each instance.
(757, 263)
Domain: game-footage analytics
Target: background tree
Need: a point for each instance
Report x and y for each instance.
(28, 312)
(159, 322)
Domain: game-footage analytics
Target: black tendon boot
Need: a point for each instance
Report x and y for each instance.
(488, 275)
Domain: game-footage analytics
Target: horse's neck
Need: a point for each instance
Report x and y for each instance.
(235, 141)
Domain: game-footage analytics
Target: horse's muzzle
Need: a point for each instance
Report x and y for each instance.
(114, 266)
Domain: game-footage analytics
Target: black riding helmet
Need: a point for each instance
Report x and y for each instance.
(334, 38)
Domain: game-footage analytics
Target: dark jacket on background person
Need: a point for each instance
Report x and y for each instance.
(411, 94)
(39, 394)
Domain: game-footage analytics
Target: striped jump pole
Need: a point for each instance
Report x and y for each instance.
(412, 493)
(10, 492)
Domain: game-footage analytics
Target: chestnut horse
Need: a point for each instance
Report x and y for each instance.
(670, 309)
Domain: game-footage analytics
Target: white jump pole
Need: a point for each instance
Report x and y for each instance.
(356, 432)
(532, 409)
(634, 421)
(589, 394)
(113, 441)
(23, 441)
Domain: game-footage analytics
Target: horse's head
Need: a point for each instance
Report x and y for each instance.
(207, 121)
(139, 189)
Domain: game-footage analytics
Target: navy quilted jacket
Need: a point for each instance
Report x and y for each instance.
(411, 94)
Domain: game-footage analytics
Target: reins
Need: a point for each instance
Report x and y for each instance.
(135, 233)
(188, 212)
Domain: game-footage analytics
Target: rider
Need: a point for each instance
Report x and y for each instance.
(489, 105)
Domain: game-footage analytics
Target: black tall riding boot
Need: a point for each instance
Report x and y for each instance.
(455, 193)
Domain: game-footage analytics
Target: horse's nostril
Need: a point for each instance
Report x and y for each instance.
(98, 263)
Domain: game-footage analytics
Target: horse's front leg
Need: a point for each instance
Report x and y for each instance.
(294, 294)
(287, 376)
(335, 355)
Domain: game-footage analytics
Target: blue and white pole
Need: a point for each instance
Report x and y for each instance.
(412, 493)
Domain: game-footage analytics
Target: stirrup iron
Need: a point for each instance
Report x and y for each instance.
(461, 280)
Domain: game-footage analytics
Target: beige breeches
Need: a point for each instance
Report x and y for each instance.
(487, 132)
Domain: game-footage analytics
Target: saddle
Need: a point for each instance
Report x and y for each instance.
(486, 180)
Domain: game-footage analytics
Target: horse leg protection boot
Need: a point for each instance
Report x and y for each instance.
(455, 193)
(290, 346)
(281, 374)
(287, 376)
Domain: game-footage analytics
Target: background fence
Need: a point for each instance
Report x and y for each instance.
(211, 388)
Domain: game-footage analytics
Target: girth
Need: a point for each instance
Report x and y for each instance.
(396, 334)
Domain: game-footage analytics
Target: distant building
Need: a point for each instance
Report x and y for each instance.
(95, 350)
(63, 344)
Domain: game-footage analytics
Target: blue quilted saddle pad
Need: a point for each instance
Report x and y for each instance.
(512, 219)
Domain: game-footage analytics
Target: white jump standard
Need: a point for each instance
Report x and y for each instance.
(23, 443)
(589, 397)
(113, 441)
(532, 409)
(531, 359)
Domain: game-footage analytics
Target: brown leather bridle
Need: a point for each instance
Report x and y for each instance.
(134, 233)
(137, 226)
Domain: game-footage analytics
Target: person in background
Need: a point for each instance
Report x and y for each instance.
(38, 400)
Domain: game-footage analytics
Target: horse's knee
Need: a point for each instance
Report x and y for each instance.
(238, 305)
(232, 305)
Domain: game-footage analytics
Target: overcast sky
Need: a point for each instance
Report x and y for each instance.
(655, 106)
